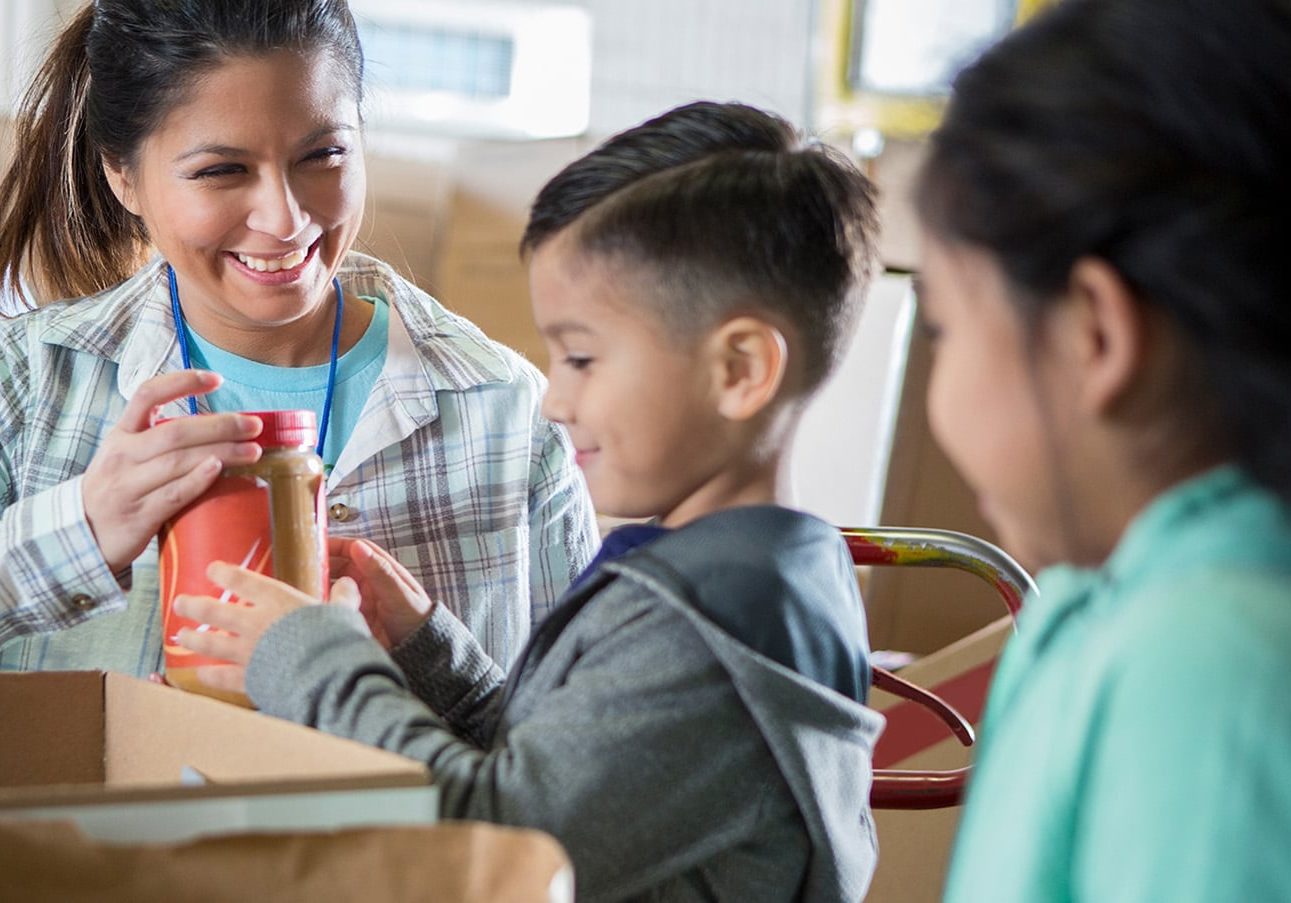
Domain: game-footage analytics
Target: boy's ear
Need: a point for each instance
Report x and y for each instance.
(749, 360)
(121, 184)
(1111, 333)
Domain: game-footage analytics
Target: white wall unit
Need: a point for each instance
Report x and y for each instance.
(477, 68)
(840, 460)
(649, 55)
(26, 29)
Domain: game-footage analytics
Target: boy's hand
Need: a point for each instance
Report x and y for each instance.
(393, 603)
(240, 627)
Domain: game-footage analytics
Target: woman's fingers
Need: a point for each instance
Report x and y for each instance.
(145, 492)
(163, 389)
(142, 475)
(227, 430)
(148, 462)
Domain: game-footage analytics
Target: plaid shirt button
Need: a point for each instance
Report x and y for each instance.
(342, 513)
(83, 602)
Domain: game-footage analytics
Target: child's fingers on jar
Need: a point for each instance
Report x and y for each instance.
(259, 589)
(210, 612)
(345, 593)
(342, 567)
(377, 561)
(232, 678)
(215, 644)
(340, 548)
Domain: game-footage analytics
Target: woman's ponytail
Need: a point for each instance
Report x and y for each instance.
(63, 232)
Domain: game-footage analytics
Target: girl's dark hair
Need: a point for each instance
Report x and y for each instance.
(112, 76)
(730, 211)
(1154, 135)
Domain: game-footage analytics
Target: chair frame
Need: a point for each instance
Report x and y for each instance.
(910, 547)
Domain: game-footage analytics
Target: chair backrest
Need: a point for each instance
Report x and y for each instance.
(899, 546)
(843, 445)
(864, 454)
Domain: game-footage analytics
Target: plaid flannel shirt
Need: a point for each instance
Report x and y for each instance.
(450, 467)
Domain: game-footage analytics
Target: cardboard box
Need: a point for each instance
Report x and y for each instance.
(406, 214)
(453, 863)
(481, 276)
(131, 761)
(115, 789)
(914, 847)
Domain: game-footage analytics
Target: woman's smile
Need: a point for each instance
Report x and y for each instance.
(278, 270)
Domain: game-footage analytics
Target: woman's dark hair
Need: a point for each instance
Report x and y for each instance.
(1154, 135)
(730, 211)
(112, 76)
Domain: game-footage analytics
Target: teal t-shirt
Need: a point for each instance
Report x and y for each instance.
(1137, 739)
(252, 386)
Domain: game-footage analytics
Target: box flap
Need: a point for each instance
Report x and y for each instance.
(51, 728)
(915, 845)
(77, 738)
(466, 862)
(153, 731)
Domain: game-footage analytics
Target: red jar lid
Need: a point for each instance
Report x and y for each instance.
(286, 428)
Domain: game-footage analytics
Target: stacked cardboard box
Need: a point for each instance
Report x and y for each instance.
(115, 789)
(914, 846)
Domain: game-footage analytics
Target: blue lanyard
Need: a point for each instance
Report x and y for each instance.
(182, 335)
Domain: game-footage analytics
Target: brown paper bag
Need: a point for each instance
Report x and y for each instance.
(454, 862)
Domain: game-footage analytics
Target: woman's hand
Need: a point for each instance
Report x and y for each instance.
(240, 626)
(142, 475)
(392, 601)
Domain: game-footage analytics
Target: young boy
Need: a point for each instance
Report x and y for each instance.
(689, 722)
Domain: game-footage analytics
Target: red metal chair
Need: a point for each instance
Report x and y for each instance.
(898, 546)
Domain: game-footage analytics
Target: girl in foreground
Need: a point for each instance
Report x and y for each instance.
(1109, 300)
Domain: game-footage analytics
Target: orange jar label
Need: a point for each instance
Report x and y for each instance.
(230, 522)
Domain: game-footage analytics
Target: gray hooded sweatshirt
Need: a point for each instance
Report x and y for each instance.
(671, 760)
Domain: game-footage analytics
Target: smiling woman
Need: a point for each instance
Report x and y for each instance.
(191, 176)
(252, 189)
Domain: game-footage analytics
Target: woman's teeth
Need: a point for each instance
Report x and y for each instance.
(261, 265)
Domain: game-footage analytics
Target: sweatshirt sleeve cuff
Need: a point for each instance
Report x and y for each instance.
(298, 656)
(446, 666)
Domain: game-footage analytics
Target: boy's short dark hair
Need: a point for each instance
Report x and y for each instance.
(733, 213)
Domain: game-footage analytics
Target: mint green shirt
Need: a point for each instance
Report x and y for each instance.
(1137, 739)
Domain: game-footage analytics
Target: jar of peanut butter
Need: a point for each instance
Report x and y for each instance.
(269, 516)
